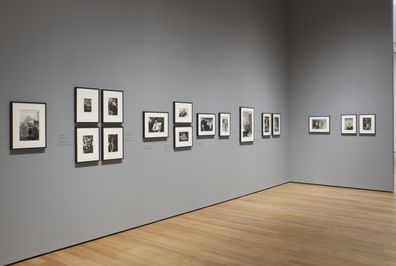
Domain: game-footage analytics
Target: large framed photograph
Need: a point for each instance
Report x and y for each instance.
(206, 124)
(319, 124)
(28, 125)
(367, 124)
(246, 121)
(86, 103)
(112, 143)
(87, 144)
(183, 137)
(155, 125)
(266, 124)
(224, 124)
(348, 124)
(182, 112)
(276, 124)
(112, 106)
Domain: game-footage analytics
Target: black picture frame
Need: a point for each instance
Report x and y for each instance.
(276, 133)
(175, 141)
(145, 124)
(15, 127)
(347, 133)
(221, 135)
(363, 132)
(104, 144)
(76, 144)
(106, 118)
(319, 132)
(191, 112)
(266, 134)
(199, 129)
(244, 139)
(78, 117)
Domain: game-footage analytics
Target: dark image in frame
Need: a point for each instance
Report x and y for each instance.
(206, 124)
(86, 105)
(28, 125)
(155, 125)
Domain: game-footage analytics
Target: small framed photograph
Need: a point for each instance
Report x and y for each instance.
(87, 144)
(183, 137)
(28, 125)
(155, 125)
(206, 124)
(86, 103)
(246, 127)
(224, 124)
(348, 124)
(367, 124)
(319, 124)
(112, 106)
(266, 124)
(183, 112)
(276, 124)
(112, 143)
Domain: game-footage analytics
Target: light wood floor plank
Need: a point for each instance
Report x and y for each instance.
(293, 224)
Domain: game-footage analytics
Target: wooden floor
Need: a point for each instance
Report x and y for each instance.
(292, 224)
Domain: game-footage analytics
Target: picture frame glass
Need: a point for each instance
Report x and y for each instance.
(155, 125)
(367, 124)
(319, 124)
(86, 105)
(112, 143)
(267, 124)
(87, 144)
(206, 124)
(224, 124)
(348, 124)
(183, 137)
(276, 124)
(183, 112)
(28, 125)
(112, 106)
(246, 124)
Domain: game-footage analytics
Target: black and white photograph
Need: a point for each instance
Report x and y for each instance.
(86, 103)
(182, 112)
(112, 143)
(28, 125)
(87, 144)
(367, 124)
(183, 137)
(276, 124)
(224, 124)
(246, 120)
(266, 124)
(112, 106)
(155, 125)
(348, 124)
(206, 124)
(319, 124)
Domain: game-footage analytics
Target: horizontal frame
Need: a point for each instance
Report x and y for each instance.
(325, 132)
(166, 126)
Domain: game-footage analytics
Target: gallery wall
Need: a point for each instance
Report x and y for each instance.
(217, 54)
(341, 63)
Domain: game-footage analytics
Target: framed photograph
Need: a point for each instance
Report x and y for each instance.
(224, 124)
(112, 143)
(367, 124)
(348, 124)
(183, 113)
(206, 124)
(155, 125)
(28, 125)
(112, 106)
(319, 124)
(266, 124)
(246, 121)
(183, 137)
(86, 103)
(87, 144)
(276, 124)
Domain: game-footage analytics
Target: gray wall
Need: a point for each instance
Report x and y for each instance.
(341, 62)
(218, 54)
